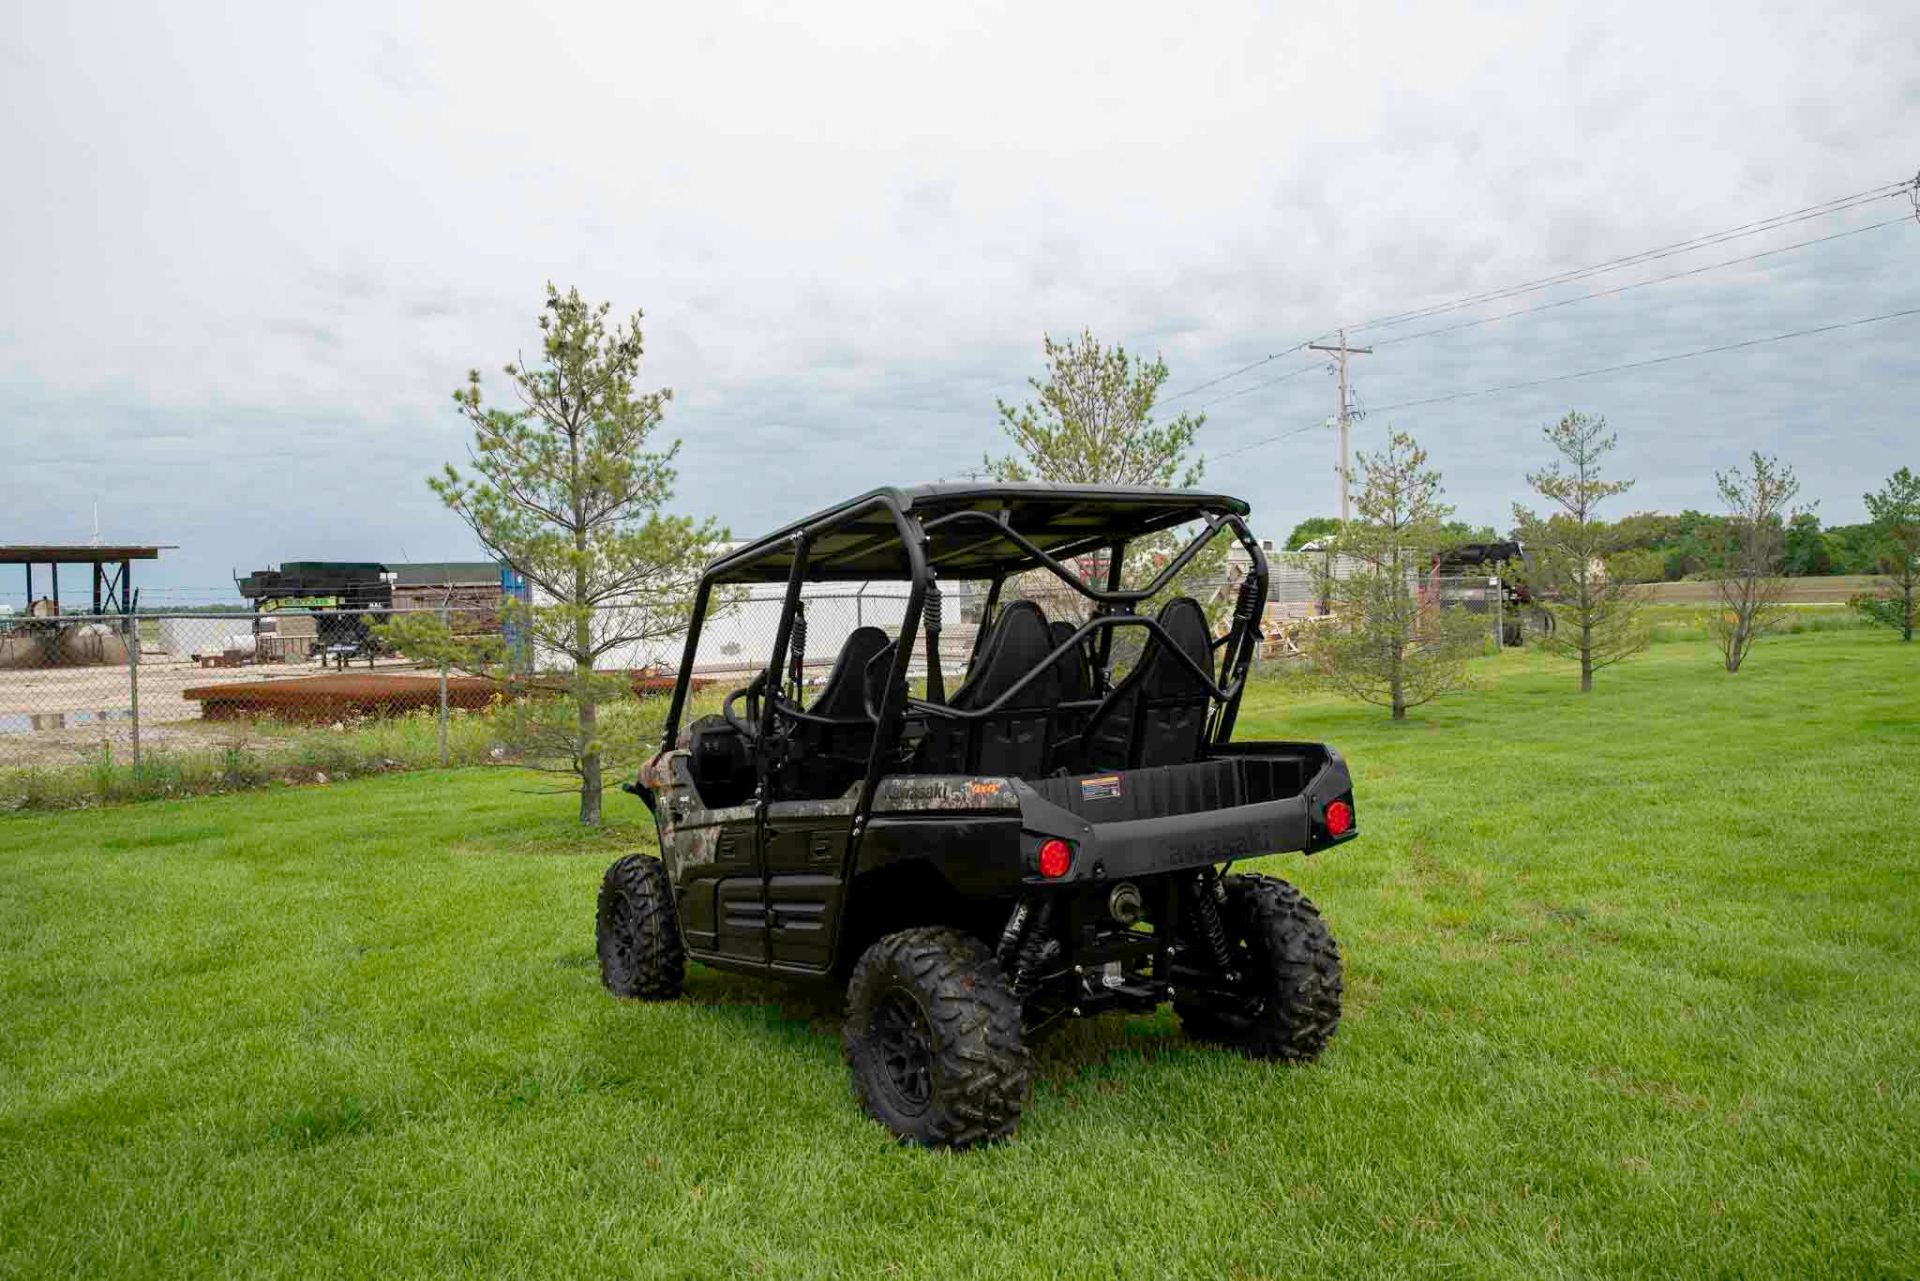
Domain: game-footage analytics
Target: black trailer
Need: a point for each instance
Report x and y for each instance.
(349, 594)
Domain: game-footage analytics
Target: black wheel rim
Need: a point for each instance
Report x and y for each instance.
(620, 935)
(901, 1044)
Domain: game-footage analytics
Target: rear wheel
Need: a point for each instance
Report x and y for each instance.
(1286, 1003)
(638, 931)
(933, 1038)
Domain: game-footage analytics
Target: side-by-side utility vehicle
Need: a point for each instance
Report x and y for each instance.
(1048, 839)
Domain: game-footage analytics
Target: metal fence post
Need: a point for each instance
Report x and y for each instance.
(133, 684)
(446, 625)
(1499, 590)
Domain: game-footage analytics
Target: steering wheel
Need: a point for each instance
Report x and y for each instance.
(751, 691)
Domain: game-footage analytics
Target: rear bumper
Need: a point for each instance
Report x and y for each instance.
(1207, 834)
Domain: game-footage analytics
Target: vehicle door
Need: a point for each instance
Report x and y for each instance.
(804, 846)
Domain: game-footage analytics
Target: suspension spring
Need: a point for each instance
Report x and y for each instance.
(1244, 606)
(1203, 911)
(799, 651)
(930, 622)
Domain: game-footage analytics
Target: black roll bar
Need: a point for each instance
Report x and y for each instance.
(1116, 612)
(1110, 595)
(886, 730)
(1103, 661)
(678, 706)
(1241, 658)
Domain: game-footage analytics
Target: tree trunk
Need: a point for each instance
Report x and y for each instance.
(583, 684)
(1399, 689)
(589, 762)
(1586, 657)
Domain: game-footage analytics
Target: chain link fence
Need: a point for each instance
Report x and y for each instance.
(75, 688)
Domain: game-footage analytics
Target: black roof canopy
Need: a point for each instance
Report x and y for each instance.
(858, 539)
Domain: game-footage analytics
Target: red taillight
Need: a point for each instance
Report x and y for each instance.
(1056, 857)
(1339, 818)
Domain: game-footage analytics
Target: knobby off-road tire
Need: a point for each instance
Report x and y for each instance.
(1289, 974)
(933, 1037)
(638, 932)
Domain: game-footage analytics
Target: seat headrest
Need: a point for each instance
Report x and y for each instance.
(1017, 645)
(841, 696)
(1164, 676)
(1070, 667)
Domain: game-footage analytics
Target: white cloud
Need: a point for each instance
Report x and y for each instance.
(848, 226)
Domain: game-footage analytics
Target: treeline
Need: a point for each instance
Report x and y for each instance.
(1660, 547)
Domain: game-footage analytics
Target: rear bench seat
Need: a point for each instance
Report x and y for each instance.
(1156, 716)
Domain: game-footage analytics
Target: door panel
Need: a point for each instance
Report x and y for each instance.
(805, 852)
(741, 906)
(722, 893)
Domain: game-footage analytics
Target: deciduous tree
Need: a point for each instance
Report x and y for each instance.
(1749, 560)
(1895, 513)
(1312, 529)
(566, 489)
(1596, 611)
(1387, 643)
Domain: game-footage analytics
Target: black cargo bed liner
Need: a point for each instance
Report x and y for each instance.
(1119, 796)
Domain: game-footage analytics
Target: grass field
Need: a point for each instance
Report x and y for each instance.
(1633, 989)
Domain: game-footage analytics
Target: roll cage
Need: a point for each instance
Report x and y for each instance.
(990, 532)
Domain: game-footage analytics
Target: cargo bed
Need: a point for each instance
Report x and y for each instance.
(1246, 800)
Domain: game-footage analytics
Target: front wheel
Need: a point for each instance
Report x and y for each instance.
(638, 932)
(1286, 1001)
(933, 1038)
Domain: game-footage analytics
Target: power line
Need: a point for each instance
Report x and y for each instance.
(1214, 382)
(1271, 382)
(1268, 440)
(1839, 204)
(1653, 360)
(1640, 284)
(1585, 373)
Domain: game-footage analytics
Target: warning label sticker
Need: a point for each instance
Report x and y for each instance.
(1104, 788)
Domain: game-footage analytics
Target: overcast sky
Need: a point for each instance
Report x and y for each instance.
(249, 252)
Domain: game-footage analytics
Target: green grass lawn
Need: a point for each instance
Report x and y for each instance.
(1633, 989)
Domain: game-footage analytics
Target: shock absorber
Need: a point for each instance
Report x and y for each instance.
(1011, 937)
(799, 644)
(1244, 605)
(1246, 622)
(930, 621)
(1034, 947)
(1203, 914)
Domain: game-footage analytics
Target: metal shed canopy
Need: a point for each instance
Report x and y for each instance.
(58, 554)
(858, 539)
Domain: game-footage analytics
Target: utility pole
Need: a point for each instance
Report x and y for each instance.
(1346, 407)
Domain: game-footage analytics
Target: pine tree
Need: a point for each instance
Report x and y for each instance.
(565, 490)
(1387, 642)
(1596, 613)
